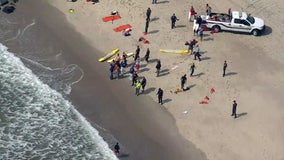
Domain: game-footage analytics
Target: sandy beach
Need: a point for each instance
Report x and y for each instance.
(148, 130)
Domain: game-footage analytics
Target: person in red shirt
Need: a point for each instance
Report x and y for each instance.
(191, 14)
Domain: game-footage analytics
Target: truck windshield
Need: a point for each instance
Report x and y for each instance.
(250, 19)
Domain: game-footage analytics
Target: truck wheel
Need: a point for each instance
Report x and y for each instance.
(255, 32)
(216, 28)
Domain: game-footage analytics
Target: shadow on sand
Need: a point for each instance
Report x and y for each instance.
(180, 26)
(205, 58)
(153, 31)
(241, 114)
(161, 2)
(149, 90)
(198, 75)
(153, 60)
(154, 19)
(167, 100)
(164, 72)
(231, 73)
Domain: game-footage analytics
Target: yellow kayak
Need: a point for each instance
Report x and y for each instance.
(109, 55)
(127, 55)
(173, 51)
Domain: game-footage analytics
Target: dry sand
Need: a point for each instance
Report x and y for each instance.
(255, 80)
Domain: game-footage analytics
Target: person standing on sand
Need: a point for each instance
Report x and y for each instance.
(111, 69)
(234, 109)
(148, 14)
(160, 95)
(137, 53)
(134, 78)
(174, 19)
(192, 67)
(116, 149)
(158, 67)
(201, 33)
(197, 53)
(191, 14)
(147, 55)
(154, 1)
(224, 68)
(143, 82)
(137, 88)
(183, 81)
(146, 26)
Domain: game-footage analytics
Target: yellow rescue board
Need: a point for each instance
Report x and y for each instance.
(173, 51)
(109, 55)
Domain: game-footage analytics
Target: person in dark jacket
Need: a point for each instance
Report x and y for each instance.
(147, 55)
(143, 82)
(137, 52)
(148, 14)
(234, 109)
(116, 149)
(224, 68)
(160, 95)
(174, 19)
(158, 67)
(183, 80)
(192, 67)
(146, 26)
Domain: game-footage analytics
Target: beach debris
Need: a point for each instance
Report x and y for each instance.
(203, 102)
(185, 112)
(213, 31)
(178, 90)
(206, 98)
(111, 18)
(175, 67)
(212, 90)
(144, 40)
(122, 27)
(127, 31)
(71, 10)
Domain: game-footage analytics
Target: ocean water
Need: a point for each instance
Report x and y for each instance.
(36, 122)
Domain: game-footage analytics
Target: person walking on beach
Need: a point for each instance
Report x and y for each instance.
(148, 14)
(143, 83)
(134, 78)
(201, 32)
(137, 53)
(111, 69)
(174, 19)
(191, 14)
(224, 68)
(234, 109)
(154, 1)
(147, 55)
(192, 67)
(146, 26)
(116, 149)
(183, 81)
(208, 10)
(160, 95)
(191, 45)
(158, 67)
(197, 53)
(138, 87)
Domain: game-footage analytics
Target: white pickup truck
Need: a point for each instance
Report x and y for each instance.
(236, 22)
